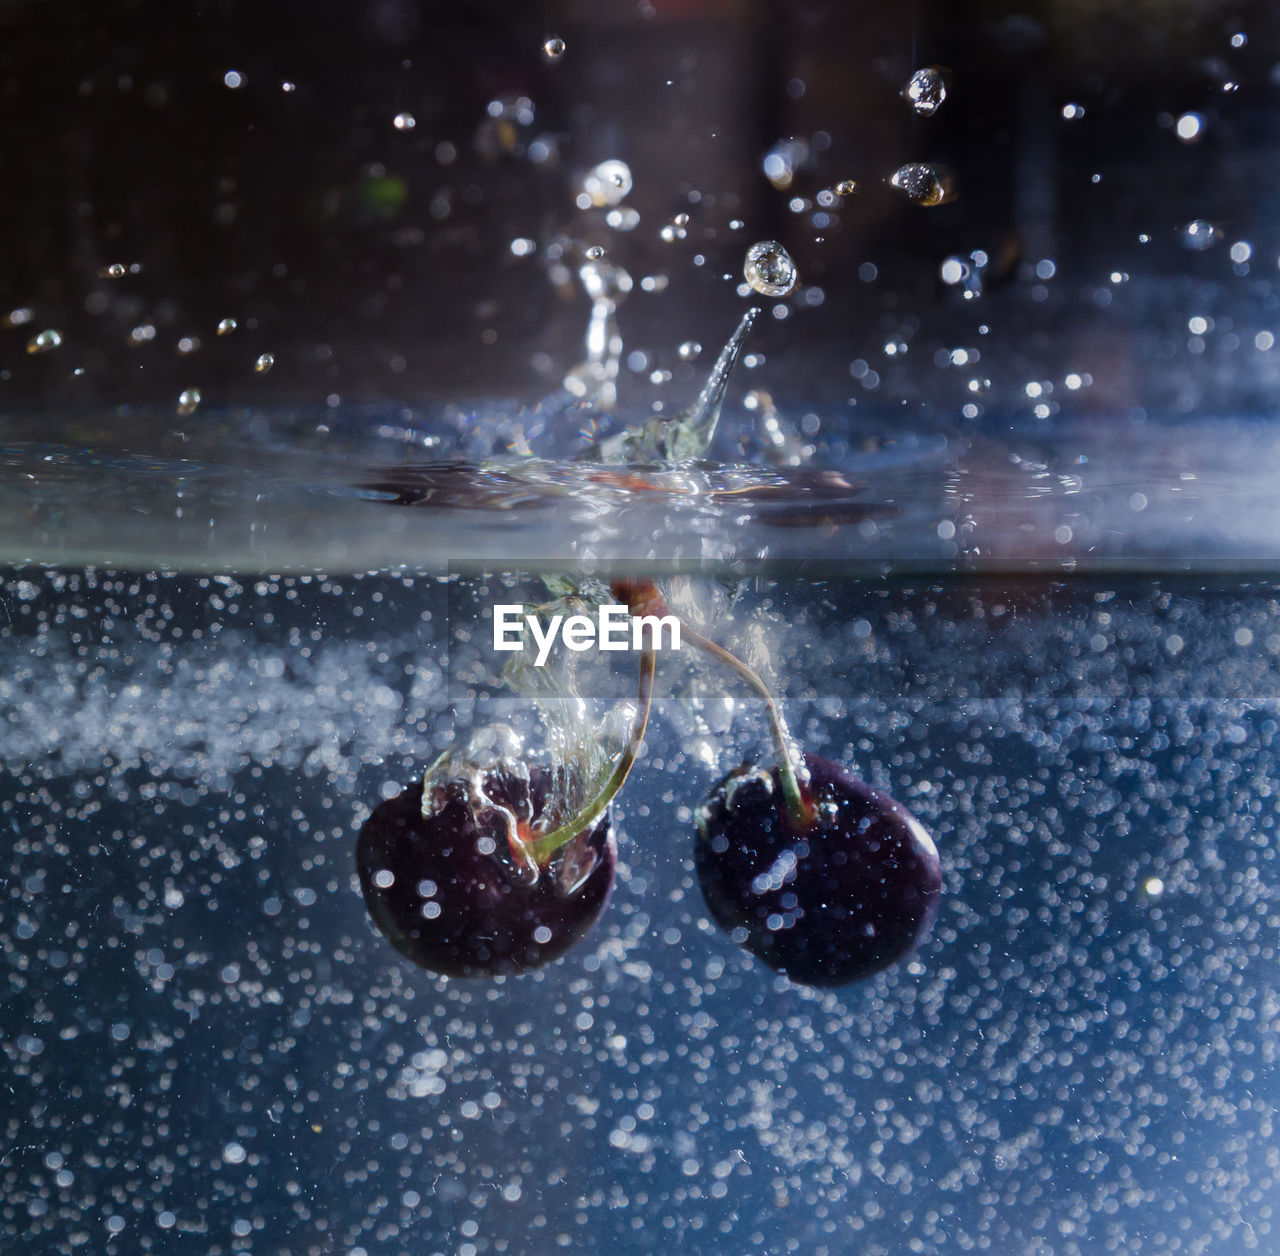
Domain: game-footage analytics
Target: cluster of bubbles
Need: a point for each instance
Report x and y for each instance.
(1082, 1051)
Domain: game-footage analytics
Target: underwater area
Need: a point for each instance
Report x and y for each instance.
(916, 367)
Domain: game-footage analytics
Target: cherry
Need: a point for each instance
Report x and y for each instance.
(460, 890)
(827, 900)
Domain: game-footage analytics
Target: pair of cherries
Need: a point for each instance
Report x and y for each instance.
(476, 872)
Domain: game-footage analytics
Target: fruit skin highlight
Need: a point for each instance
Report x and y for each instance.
(829, 903)
(491, 909)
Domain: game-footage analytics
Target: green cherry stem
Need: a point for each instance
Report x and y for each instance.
(548, 843)
(642, 598)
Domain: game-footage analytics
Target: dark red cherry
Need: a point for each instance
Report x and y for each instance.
(454, 894)
(827, 906)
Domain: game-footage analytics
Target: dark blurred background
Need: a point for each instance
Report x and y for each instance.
(243, 161)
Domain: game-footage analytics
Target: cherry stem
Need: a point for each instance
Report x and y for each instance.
(545, 846)
(642, 598)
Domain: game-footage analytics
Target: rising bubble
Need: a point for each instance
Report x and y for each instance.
(264, 363)
(117, 270)
(926, 90)
(553, 48)
(689, 350)
(188, 400)
(404, 121)
(226, 326)
(769, 269)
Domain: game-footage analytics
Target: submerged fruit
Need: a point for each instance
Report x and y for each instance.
(827, 906)
(457, 890)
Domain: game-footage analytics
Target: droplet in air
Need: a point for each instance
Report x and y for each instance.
(188, 400)
(117, 270)
(44, 341)
(264, 363)
(606, 184)
(783, 160)
(552, 48)
(404, 121)
(689, 350)
(922, 183)
(1189, 127)
(769, 269)
(1198, 235)
(595, 253)
(846, 187)
(226, 326)
(926, 90)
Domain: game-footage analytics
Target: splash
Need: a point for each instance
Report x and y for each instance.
(689, 433)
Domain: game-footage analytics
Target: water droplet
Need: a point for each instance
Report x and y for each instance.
(689, 350)
(595, 253)
(264, 363)
(607, 184)
(44, 341)
(769, 269)
(783, 160)
(117, 270)
(846, 187)
(926, 90)
(1199, 235)
(188, 400)
(553, 48)
(404, 121)
(921, 183)
(227, 326)
(1189, 127)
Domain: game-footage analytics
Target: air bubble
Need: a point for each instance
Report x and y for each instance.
(594, 253)
(188, 400)
(921, 183)
(553, 48)
(117, 270)
(226, 326)
(264, 363)
(926, 90)
(689, 350)
(404, 122)
(769, 269)
(846, 187)
(44, 341)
